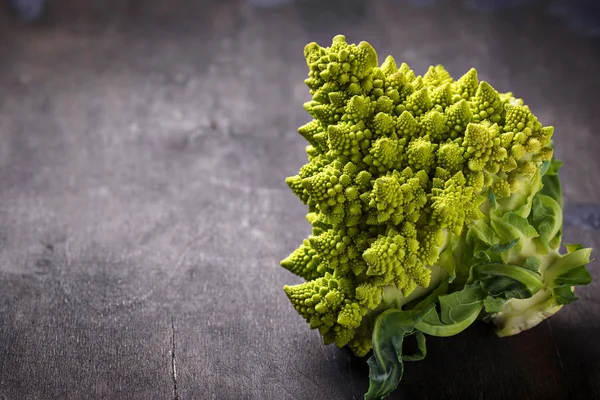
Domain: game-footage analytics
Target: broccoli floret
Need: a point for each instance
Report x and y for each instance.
(433, 203)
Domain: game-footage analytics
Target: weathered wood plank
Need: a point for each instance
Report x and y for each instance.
(143, 209)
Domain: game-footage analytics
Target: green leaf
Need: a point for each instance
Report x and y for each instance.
(546, 217)
(502, 282)
(432, 325)
(544, 168)
(386, 364)
(431, 298)
(499, 278)
(483, 257)
(574, 277)
(520, 202)
(572, 247)
(506, 288)
(492, 198)
(551, 188)
(555, 166)
(567, 272)
(480, 230)
(521, 224)
(564, 295)
(458, 311)
(458, 306)
(447, 258)
(567, 263)
(504, 247)
(554, 243)
(532, 263)
(551, 182)
(421, 347)
(494, 305)
(511, 227)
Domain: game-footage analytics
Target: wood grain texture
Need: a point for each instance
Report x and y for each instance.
(143, 209)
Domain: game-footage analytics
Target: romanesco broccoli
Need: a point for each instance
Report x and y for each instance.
(433, 202)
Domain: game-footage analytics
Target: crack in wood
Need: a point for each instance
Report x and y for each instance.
(560, 362)
(174, 361)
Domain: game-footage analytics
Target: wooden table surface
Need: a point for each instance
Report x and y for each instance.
(143, 209)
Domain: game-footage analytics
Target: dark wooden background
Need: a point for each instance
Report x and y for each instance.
(143, 209)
